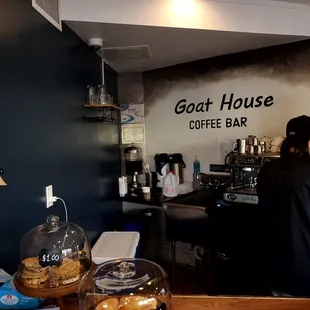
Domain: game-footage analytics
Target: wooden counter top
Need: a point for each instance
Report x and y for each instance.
(238, 303)
(201, 302)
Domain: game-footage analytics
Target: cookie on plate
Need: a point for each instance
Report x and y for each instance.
(68, 272)
(34, 282)
(28, 274)
(32, 264)
(68, 265)
(32, 273)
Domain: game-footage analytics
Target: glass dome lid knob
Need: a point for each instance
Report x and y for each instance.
(125, 270)
(53, 222)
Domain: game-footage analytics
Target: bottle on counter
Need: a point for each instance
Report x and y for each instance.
(196, 165)
(170, 185)
(122, 186)
(196, 171)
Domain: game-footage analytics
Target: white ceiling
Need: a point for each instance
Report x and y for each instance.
(170, 46)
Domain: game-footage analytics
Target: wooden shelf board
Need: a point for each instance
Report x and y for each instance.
(102, 106)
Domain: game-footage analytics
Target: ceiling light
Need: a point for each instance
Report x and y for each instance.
(184, 8)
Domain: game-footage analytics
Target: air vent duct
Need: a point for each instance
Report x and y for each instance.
(122, 53)
(49, 9)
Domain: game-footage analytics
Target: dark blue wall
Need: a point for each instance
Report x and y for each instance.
(43, 76)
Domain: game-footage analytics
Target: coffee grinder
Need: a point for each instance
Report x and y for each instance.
(134, 166)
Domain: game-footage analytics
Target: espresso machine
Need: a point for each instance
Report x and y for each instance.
(134, 166)
(244, 171)
(233, 220)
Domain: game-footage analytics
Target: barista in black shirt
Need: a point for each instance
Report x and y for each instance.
(283, 226)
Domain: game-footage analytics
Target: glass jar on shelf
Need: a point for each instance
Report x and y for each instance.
(110, 99)
(91, 95)
(127, 284)
(102, 94)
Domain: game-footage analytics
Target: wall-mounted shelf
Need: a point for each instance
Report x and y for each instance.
(102, 106)
(106, 109)
(99, 119)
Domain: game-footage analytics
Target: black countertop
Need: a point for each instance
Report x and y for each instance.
(205, 197)
(157, 199)
(195, 198)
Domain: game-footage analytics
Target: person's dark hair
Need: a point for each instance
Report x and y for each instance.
(299, 145)
(285, 149)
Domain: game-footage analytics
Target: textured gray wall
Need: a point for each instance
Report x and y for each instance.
(287, 63)
(130, 88)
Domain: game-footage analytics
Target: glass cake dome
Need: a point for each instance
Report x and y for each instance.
(54, 255)
(125, 284)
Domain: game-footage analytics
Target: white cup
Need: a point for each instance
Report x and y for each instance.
(146, 192)
(275, 144)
